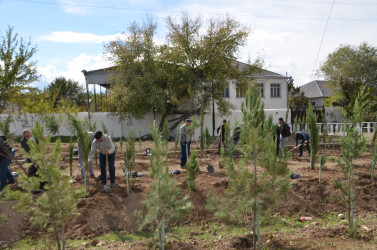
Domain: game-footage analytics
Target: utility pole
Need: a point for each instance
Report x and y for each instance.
(87, 91)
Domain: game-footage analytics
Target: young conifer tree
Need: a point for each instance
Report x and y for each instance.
(353, 144)
(84, 140)
(374, 153)
(52, 124)
(325, 133)
(192, 170)
(165, 130)
(130, 156)
(57, 203)
(202, 135)
(176, 142)
(71, 147)
(311, 120)
(258, 178)
(208, 138)
(163, 205)
(5, 126)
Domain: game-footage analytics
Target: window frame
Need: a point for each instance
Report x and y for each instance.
(275, 89)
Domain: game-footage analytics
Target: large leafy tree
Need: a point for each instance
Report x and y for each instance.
(16, 68)
(347, 69)
(62, 89)
(297, 99)
(194, 63)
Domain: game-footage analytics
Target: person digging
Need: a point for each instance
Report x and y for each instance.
(304, 137)
(185, 142)
(105, 145)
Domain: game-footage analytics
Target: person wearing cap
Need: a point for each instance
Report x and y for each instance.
(106, 148)
(81, 158)
(5, 158)
(185, 141)
(221, 133)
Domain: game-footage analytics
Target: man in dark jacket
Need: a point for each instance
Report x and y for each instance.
(6, 153)
(303, 137)
(32, 171)
(221, 133)
(285, 133)
(185, 142)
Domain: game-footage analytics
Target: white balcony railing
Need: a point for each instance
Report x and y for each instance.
(338, 128)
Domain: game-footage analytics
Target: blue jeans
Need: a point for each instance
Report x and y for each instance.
(184, 154)
(102, 165)
(5, 173)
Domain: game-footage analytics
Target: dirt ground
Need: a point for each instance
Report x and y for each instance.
(102, 213)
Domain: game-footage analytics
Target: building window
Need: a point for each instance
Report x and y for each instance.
(275, 90)
(261, 89)
(240, 91)
(313, 104)
(226, 92)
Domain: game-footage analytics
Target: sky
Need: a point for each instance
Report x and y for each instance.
(293, 37)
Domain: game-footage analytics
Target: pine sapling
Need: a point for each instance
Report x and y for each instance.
(208, 138)
(52, 124)
(162, 205)
(56, 205)
(84, 140)
(71, 147)
(353, 144)
(374, 153)
(192, 168)
(176, 141)
(129, 157)
(293, 140)
(311, 120)
(165, 130)
(258, 178)
(5, 126)
(202, 135)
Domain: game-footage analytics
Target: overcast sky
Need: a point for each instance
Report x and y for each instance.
(70, 34)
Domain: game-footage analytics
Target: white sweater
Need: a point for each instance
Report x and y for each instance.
(102, 146)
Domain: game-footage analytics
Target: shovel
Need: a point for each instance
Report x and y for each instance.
(210, 168)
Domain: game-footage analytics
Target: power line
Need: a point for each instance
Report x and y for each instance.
(196, 12)
(323, 36)
(324, 2)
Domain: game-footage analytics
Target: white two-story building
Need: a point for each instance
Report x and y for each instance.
(273, 88)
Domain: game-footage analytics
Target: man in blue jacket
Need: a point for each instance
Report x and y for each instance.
(303, 137)
(6, 153)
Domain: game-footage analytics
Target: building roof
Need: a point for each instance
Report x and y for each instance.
(262, 73)
(103, 76)
(316, 89)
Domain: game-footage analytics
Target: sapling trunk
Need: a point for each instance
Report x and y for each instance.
(70, 151)
(63, 239)
(128, 191)
(372, 170)
(202, 135)
(320, 169)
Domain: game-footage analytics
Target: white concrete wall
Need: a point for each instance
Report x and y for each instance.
(118, 128)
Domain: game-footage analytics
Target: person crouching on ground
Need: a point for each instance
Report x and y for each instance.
(303, 137)
(5, 158)
(106, 147)
(32, 171)
(81, 158)
(185, 141)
